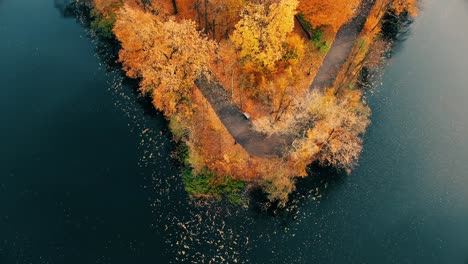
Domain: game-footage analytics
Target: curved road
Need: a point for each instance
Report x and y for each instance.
(276, 145)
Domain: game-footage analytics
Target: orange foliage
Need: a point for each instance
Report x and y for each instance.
(211, 146)
(406, 5)
(328, 12)
(110, 7)
(107, 6)
(216, 18)
(167, 55)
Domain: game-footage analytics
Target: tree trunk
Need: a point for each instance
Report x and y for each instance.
(213, 29)
(206, 17)
(174, 5)
(309, 35)
(199, 14)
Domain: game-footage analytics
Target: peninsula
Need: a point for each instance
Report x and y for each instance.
(255, 90)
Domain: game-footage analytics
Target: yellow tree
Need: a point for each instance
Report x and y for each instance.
(167, 55)
(262, 31)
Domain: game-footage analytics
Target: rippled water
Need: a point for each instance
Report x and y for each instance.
(86, 174)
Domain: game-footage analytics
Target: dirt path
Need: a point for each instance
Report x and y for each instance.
(239, 127)
(260, 145)
(341, 47)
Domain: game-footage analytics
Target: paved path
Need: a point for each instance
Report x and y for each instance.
(276, 145)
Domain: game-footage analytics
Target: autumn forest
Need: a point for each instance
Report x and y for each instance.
(255, 90)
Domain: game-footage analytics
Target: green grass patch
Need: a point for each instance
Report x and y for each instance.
(307, 25)
(316, 34)
(323, 47)
(102, 25)
(208, 184)
(290, 55)
(179, 131)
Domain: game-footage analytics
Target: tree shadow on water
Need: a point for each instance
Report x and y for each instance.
(65, 7)
(106, 49)
(320, 183)
(396, 30)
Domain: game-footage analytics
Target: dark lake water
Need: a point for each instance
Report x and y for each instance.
(86, 174)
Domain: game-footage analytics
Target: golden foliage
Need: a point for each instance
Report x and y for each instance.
(328, 12)
(262, 30)
(335, 139)
(167, 55)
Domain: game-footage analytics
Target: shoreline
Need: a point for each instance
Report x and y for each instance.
(264, 147)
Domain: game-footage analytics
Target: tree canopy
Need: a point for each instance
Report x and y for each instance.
(167, 55)
(328, 12)
(262, 31)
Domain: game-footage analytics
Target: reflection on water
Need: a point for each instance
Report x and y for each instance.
(65, 7)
